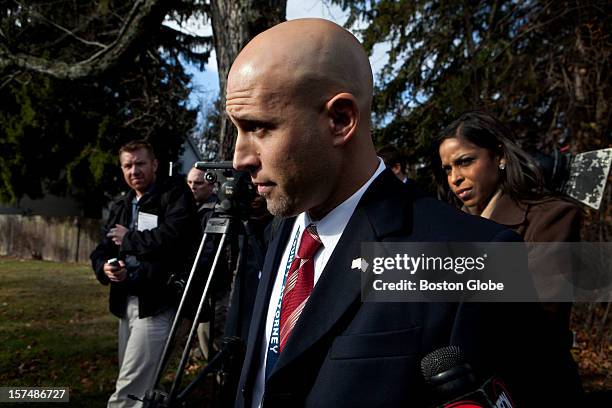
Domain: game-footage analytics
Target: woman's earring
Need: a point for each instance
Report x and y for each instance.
(502, 166)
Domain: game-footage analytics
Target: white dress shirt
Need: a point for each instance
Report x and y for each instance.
(330, 229)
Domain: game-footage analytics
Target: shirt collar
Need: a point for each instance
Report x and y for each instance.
(331, 226)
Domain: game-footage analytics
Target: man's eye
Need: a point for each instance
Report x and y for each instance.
(255, 127)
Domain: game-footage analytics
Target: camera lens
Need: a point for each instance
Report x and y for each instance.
(210, 177)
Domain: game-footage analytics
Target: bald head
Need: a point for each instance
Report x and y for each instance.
(200, 188)
(311, 58)
(299, 95)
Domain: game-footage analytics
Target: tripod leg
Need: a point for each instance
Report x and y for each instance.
(156, 398)
(175, 324)
(185, 356)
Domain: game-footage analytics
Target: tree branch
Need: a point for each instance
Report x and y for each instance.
(65, 30)
(9, 78)
(143, 12)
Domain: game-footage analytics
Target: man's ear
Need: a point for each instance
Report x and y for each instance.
(343, 114)
(154, 165)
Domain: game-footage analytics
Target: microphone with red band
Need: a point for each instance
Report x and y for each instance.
(454, 382)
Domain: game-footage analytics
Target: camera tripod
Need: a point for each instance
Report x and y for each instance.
(229, 357)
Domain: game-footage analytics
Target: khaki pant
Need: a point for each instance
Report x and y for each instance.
(141, 343)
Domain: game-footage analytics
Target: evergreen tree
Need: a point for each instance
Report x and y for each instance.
(540, 65)
(61, 127)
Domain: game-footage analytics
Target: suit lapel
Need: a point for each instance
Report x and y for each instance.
(264, 290)
(381, 212)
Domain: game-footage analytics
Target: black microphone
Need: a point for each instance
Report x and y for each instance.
(455, 384)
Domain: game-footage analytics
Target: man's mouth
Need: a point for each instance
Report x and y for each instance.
(264, 188)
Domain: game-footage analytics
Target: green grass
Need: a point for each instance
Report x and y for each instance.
(56, 330)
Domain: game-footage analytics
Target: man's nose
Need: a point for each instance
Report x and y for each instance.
(245, 154)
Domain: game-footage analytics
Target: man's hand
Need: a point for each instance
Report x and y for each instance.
(115, 273)
(116, 234)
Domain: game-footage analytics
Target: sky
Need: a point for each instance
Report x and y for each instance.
(205, 84)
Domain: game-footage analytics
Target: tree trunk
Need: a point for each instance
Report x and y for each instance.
(234, 24)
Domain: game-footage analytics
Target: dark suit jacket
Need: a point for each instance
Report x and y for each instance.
(162, 251)
(345, 353)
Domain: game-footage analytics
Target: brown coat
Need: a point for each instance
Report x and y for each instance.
(548, 220)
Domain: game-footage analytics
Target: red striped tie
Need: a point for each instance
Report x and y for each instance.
(299, 282)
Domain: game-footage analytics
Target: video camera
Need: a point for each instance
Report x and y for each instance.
(236, 192)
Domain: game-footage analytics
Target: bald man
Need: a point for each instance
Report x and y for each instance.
(203, 192)
(201, 189)
(299, 95)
